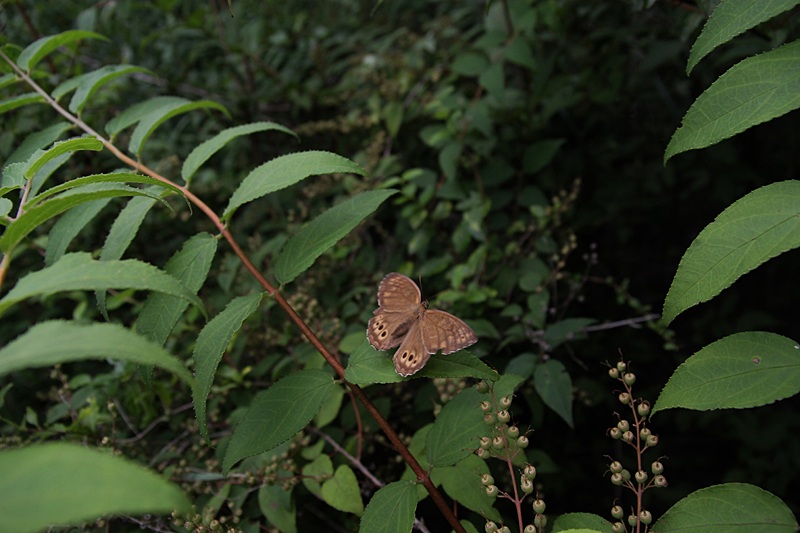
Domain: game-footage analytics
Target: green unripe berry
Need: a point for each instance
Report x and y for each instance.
(486, 407)
(492, 491)
(522, 442)
(615, 467)
(617, 512)
(623, 425)
(621, 366)
(530, 528)
(513, 432)
(529, 471)
(482, 453)
(646, 517)
(618, 527)
(483, 388)
(504, 416)
(643, 409)
(652, 440)
(490, 527)
(626, 475)
(629, 378)
(615, 433)
(660, 482)
(526, 485)
(540, 520)
(627, 436)
(538, 506)
(657, 467)
(489, 419)
(644, 433)
(486, 442)
(617, 479)
(624, 398)
(505, 401)
(487, 479)
(641, 476)
(632, 520)
(498, 443)
(613, 373)
(504, 529)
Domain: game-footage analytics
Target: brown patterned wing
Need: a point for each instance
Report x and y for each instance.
(387, 330)
(445, 332)
(411, 355)
(398, 294)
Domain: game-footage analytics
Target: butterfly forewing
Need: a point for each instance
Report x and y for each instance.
(398, 294)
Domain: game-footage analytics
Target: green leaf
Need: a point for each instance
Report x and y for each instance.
(40, 159)
(581, 522)
(393, 116)
(9, 79)
(90, 83)
(277, 414)
(161, 312)
(73, 484)
(13, 102)
(211, 344)
(462, 483)
(68, 226)
(279, 507)
(732, 508)
(569, 329)
(460, 364)
(743, 370)
(342, 492)
(554, 386)
(324, 231)
(137, 112)
(41, 48)
(314, 471)
(78, 271)
(762, 225)
(204, 151)
(3, 392)
(148, 124)
(35, 216)
(330, 407)
(457, 428)
(368, 365)
(37, 141)
(60, 341)
(287, 170)
(540, 154)
(506, 385)
(756, 90)
(448, 160)
(391, 509)
(731, 18)
(469, 64)
(522, 365)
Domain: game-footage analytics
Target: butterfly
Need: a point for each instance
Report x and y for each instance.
(404, 318)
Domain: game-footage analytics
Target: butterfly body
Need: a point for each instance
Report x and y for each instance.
(404, 319)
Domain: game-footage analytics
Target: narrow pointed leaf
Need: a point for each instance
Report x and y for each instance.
(287, 170)
(137, 112)
(324, 231)
(68, 226)
(148, 124)
(59, 148)
(458, 428)
(61, 341)
(37, 141)
(160, 312)
(34, 217)
(277, 414)
(732, 508)
(391, 509)
(9, 79)
(758, 227)
(342, 492)
(117, 177)
(41, 48)
(67, 484)
(743, 370)
(204, 151)
(79, 271)
(211, 344)
(554, 386)
(93, 81)
(756, 90)
(13, 102)
(731, 18)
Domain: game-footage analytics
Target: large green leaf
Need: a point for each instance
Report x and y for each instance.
(67, 484)
(35, 216)
(90, 83)
(732, 508)
(368, 365)
(79, 271)
(211, 344)
(729, 19)
(117, 177)
(756, 90)
(743, 370)
(391, 509)
(278, 506)
(277, 414)
(40, 159)
(68, 226)
(41, 48)
(763, 224)
(342, 492)
(160, 312)
(582, 522)
(37, 141)
(13, 102)
(457, 429)
(460, 364)
(462, 483)
(208, 148)
(60, 341)
(324, 231)
(148, 124)
(287, 170)
(137, 112)
(554, 386)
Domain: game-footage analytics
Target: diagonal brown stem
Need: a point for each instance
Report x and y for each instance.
(357, 391)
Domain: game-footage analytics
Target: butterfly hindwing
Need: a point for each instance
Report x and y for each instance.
(445, 332)
(411, 355)
(386, 330)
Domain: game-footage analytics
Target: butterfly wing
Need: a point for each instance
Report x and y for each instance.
(400, 306)
(411, 355)
(445, 332)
